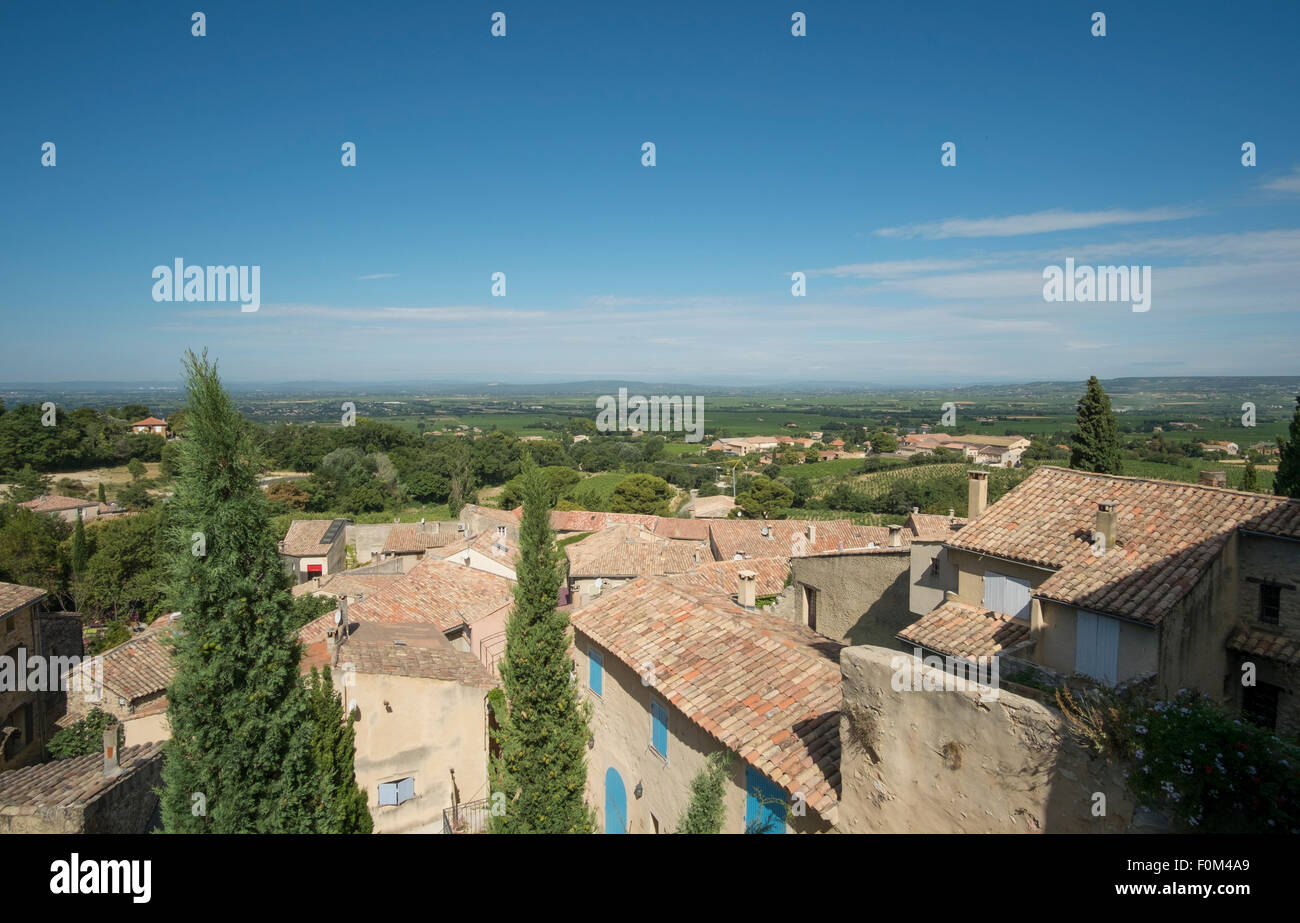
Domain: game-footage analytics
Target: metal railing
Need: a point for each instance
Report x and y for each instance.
(467, 817)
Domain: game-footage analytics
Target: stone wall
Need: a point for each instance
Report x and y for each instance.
(862, 598)
(951, 762)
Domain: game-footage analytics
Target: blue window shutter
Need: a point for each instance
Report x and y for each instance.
(595, 672)
(405, 790)
(659, 728)
(387, 793)
(764, 803)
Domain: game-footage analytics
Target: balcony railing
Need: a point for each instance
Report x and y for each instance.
(467, 817)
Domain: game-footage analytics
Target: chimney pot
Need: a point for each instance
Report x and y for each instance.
(1106, 524)
(812, 533)
(746, 591)
(895, 536)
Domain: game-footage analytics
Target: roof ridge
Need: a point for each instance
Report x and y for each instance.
(1164, 482)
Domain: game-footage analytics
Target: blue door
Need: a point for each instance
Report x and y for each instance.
(615, 803)
(764, 804)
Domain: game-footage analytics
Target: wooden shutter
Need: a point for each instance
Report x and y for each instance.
(405, 789)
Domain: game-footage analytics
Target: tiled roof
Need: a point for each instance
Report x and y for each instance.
(724, 576)
(411, 539)
(142, 666)
(1270, 644)
(632, 551)
(74, 781)
(502, 547)
(505, 517)
(13, 596)
(54, 503)
(930, 527)
(149, 421)
(789, 537)
(766, 688)
(690, 529)
(443, 593)
(422, 652)
(304, 537)
(1166, 532)
(959, 629)
(346, 584)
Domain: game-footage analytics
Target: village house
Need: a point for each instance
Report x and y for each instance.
(468, 606)
(930, 569)
(1220, 447)
(479, 519)
(313, 548)
(150, 425)
(996, 451)
(620, 553)
(23, 723)
(69, 508)
(676, 673)
(493, 552)
(1118, 579)
(409, 543)
(134, 688)
(354, 585)
(420, 721)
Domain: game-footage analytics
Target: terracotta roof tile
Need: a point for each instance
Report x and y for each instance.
(789, 537)
(304, 538)
(724, 576)
(410, 650)
(1167, 532)
(410, 538)
(53, 503)
(729, 670)
(437, 591)
(74, 781)
(632, 551)
(959, 629)
(13, 596)
(1259, 643)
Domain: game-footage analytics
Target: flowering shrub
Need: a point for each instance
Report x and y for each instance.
(1214, 771)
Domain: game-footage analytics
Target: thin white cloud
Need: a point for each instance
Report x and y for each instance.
(1288, 183)
(1044, 222)
(378, 275)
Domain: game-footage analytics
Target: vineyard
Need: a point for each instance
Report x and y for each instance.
(878, 483)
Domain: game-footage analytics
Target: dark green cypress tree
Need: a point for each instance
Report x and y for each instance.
(1095, 443)
(1286, 483)
(80, 552)
(342, 803)
(542, 769)
(1249, 479)
(240, 754)
(103, 498)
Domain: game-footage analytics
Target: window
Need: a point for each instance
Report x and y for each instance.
(9, 624)
(810, 607)
(595, 671)
(1259, 704)
(659, 728)
(1270, 603)
(402, 790)
(314, 570)
(934, 566)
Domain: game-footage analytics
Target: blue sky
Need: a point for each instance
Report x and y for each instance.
(775, 154)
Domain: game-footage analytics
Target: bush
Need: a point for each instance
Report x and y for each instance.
(85, 737)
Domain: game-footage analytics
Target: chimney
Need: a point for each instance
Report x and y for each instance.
(916, 509)
(112, 759)
(952, 514)
(812, 533)
(745, 594)
(895, 536)
(977, 495)
(466, 559)
(1213, 478)
(1106, 523)
(694, 493)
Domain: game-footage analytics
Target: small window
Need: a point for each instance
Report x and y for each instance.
(1270, 603)
(1259, 704)
(9, 624)
(934, 566)
(659, 728)
(595, 671)
(398, 792)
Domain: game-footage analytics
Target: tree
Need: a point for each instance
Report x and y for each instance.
(103, 497)
(135, 497)
(764, 498)
(241, 730)
(707, 811)
(1249, 479)
(29, 549)
(1095, 443)
(541, 768)
(1286, 483)
(641, 493)
(80, 551)
(125, 572)
(342, 803)
(136, 469)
